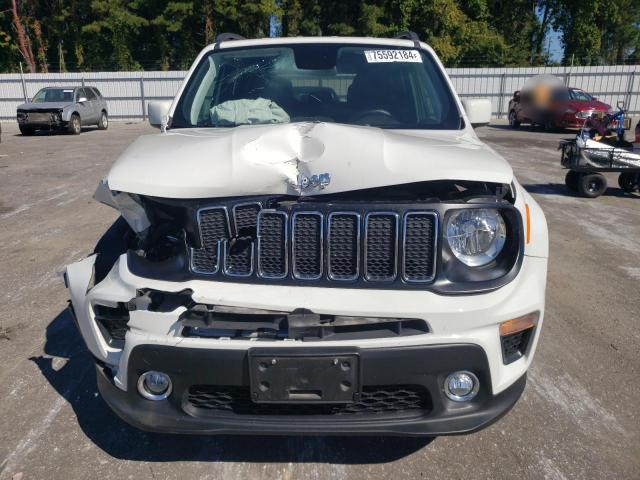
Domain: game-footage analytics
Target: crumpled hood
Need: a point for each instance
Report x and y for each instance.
(44, 106)
(269, 159)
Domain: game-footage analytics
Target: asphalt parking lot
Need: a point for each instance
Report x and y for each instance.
(579, 417)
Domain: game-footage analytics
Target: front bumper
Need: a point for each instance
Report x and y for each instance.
(463, 334)
(423, 367)
(51, 119)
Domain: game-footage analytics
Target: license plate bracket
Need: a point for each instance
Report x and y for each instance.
(303, 378)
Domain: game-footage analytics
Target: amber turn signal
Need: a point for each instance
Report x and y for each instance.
(519, 324)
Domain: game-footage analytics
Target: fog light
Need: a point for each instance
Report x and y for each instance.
(154, 385)
(461, 386)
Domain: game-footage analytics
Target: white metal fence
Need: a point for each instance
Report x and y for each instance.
(128, 92)
(610, 84)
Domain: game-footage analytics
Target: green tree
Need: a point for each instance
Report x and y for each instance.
(8, 49)
(598, 31)
(115, 32)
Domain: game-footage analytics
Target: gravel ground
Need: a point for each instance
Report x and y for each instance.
(579, 417)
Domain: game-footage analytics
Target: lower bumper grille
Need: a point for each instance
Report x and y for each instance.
(112, 323)
(514, 346)
(375, 400)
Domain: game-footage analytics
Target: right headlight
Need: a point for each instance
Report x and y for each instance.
(476, 235)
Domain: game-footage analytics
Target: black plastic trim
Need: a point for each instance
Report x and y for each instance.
(426, 365)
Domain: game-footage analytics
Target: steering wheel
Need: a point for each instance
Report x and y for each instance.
(372, 112)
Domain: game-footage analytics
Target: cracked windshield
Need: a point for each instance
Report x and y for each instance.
(391, 87)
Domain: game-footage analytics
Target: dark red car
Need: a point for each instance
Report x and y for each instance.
(566, 108)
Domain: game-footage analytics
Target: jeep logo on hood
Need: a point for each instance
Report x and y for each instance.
(321, 180)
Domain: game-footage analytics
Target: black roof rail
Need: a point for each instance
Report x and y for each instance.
(225, 37)
(409, 35)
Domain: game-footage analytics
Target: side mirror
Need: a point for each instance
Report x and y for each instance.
(82, 99)
(478, 111)
(159, 112)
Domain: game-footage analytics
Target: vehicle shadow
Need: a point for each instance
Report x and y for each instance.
(49, 133)
(75, 381)
(562, 189)
(527, 128)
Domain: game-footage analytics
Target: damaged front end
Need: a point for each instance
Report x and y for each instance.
(383, 238)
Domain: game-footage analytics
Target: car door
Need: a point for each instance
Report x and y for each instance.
(101, 104)
(83, 108)
(93, 104)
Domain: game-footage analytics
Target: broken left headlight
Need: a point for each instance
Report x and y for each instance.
(476, 235)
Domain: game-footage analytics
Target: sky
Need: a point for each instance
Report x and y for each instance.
(554, 40)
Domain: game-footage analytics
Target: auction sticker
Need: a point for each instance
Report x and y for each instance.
(384, 56)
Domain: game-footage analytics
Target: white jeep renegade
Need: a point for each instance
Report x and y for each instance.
(316, 242)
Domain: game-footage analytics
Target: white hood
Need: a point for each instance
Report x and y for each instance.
(267, 159)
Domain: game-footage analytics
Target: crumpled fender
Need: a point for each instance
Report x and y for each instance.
(130, 210)
(79, 277)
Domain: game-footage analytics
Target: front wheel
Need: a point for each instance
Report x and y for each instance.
(549, 125)
(571, 180)
(629, 182)
(592, 185)
(103, 123)
(513, 119)
(74, 127)
(26, 131)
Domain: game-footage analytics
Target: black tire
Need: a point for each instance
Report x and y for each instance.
(592, 185)
(103, 122)
(549, 125)
(571, 180)
(26, 131)
(629, 182)
(513, 119)
(75, 125)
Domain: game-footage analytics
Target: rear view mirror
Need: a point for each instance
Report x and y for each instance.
(159, 112)
(478, 111)
(82, 99)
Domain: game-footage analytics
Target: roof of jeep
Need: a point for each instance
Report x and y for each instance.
(396, 42)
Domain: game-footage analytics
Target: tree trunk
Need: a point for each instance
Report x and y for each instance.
(24, 45)
(42, 55)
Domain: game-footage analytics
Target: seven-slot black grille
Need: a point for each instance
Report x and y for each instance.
(245, 217)
(374, 247)
(344, 246)
(214, 227)
(419, 234)
(374, 400)
(381, 246)
(272, 245)
(307, 245)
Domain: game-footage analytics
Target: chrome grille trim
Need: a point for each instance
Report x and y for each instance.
(225, 267)
(204, 272)
(240, 205)
(294, 271)
(202, 240)
(395, 246)
(285, 233)
(434, 238)
(330, 274)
